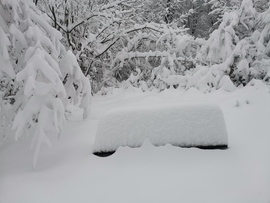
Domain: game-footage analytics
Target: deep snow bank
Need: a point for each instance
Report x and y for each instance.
(180, 124)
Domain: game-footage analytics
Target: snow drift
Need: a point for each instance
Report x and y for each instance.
(180, 124)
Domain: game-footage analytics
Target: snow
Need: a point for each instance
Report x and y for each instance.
(175, 80)
(69, 172)
(220, 44)
(226, 84)
(180, 124)
(30, 50)
(33, 67)
(5, 65)
(18, 35)
(70, 68)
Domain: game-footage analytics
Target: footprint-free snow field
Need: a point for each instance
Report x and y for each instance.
(69, 172)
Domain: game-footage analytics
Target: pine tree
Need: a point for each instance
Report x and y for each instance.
(34, 96)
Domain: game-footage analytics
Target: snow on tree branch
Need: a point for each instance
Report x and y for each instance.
(30, 53)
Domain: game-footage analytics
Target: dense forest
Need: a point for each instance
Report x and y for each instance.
(157, 44)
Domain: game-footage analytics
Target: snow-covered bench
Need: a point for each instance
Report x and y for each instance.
(180, 124)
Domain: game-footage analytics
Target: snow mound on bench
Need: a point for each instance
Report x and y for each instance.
(180, 124)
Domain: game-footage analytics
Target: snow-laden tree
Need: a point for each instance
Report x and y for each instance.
(160, 11)
(261, 41)
(219, 8)
(221, 42)
(117, 44)
(158, 61)
(38, 76)
(98, 31)
(193, 14)
(92, 29)
(229, 58)
(237, 50)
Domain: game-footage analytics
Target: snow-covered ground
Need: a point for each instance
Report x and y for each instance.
(69, 173)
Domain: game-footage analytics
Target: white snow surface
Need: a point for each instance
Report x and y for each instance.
(180, 124)
(69, 172)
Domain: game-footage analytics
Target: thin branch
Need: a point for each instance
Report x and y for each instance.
(107, 48)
